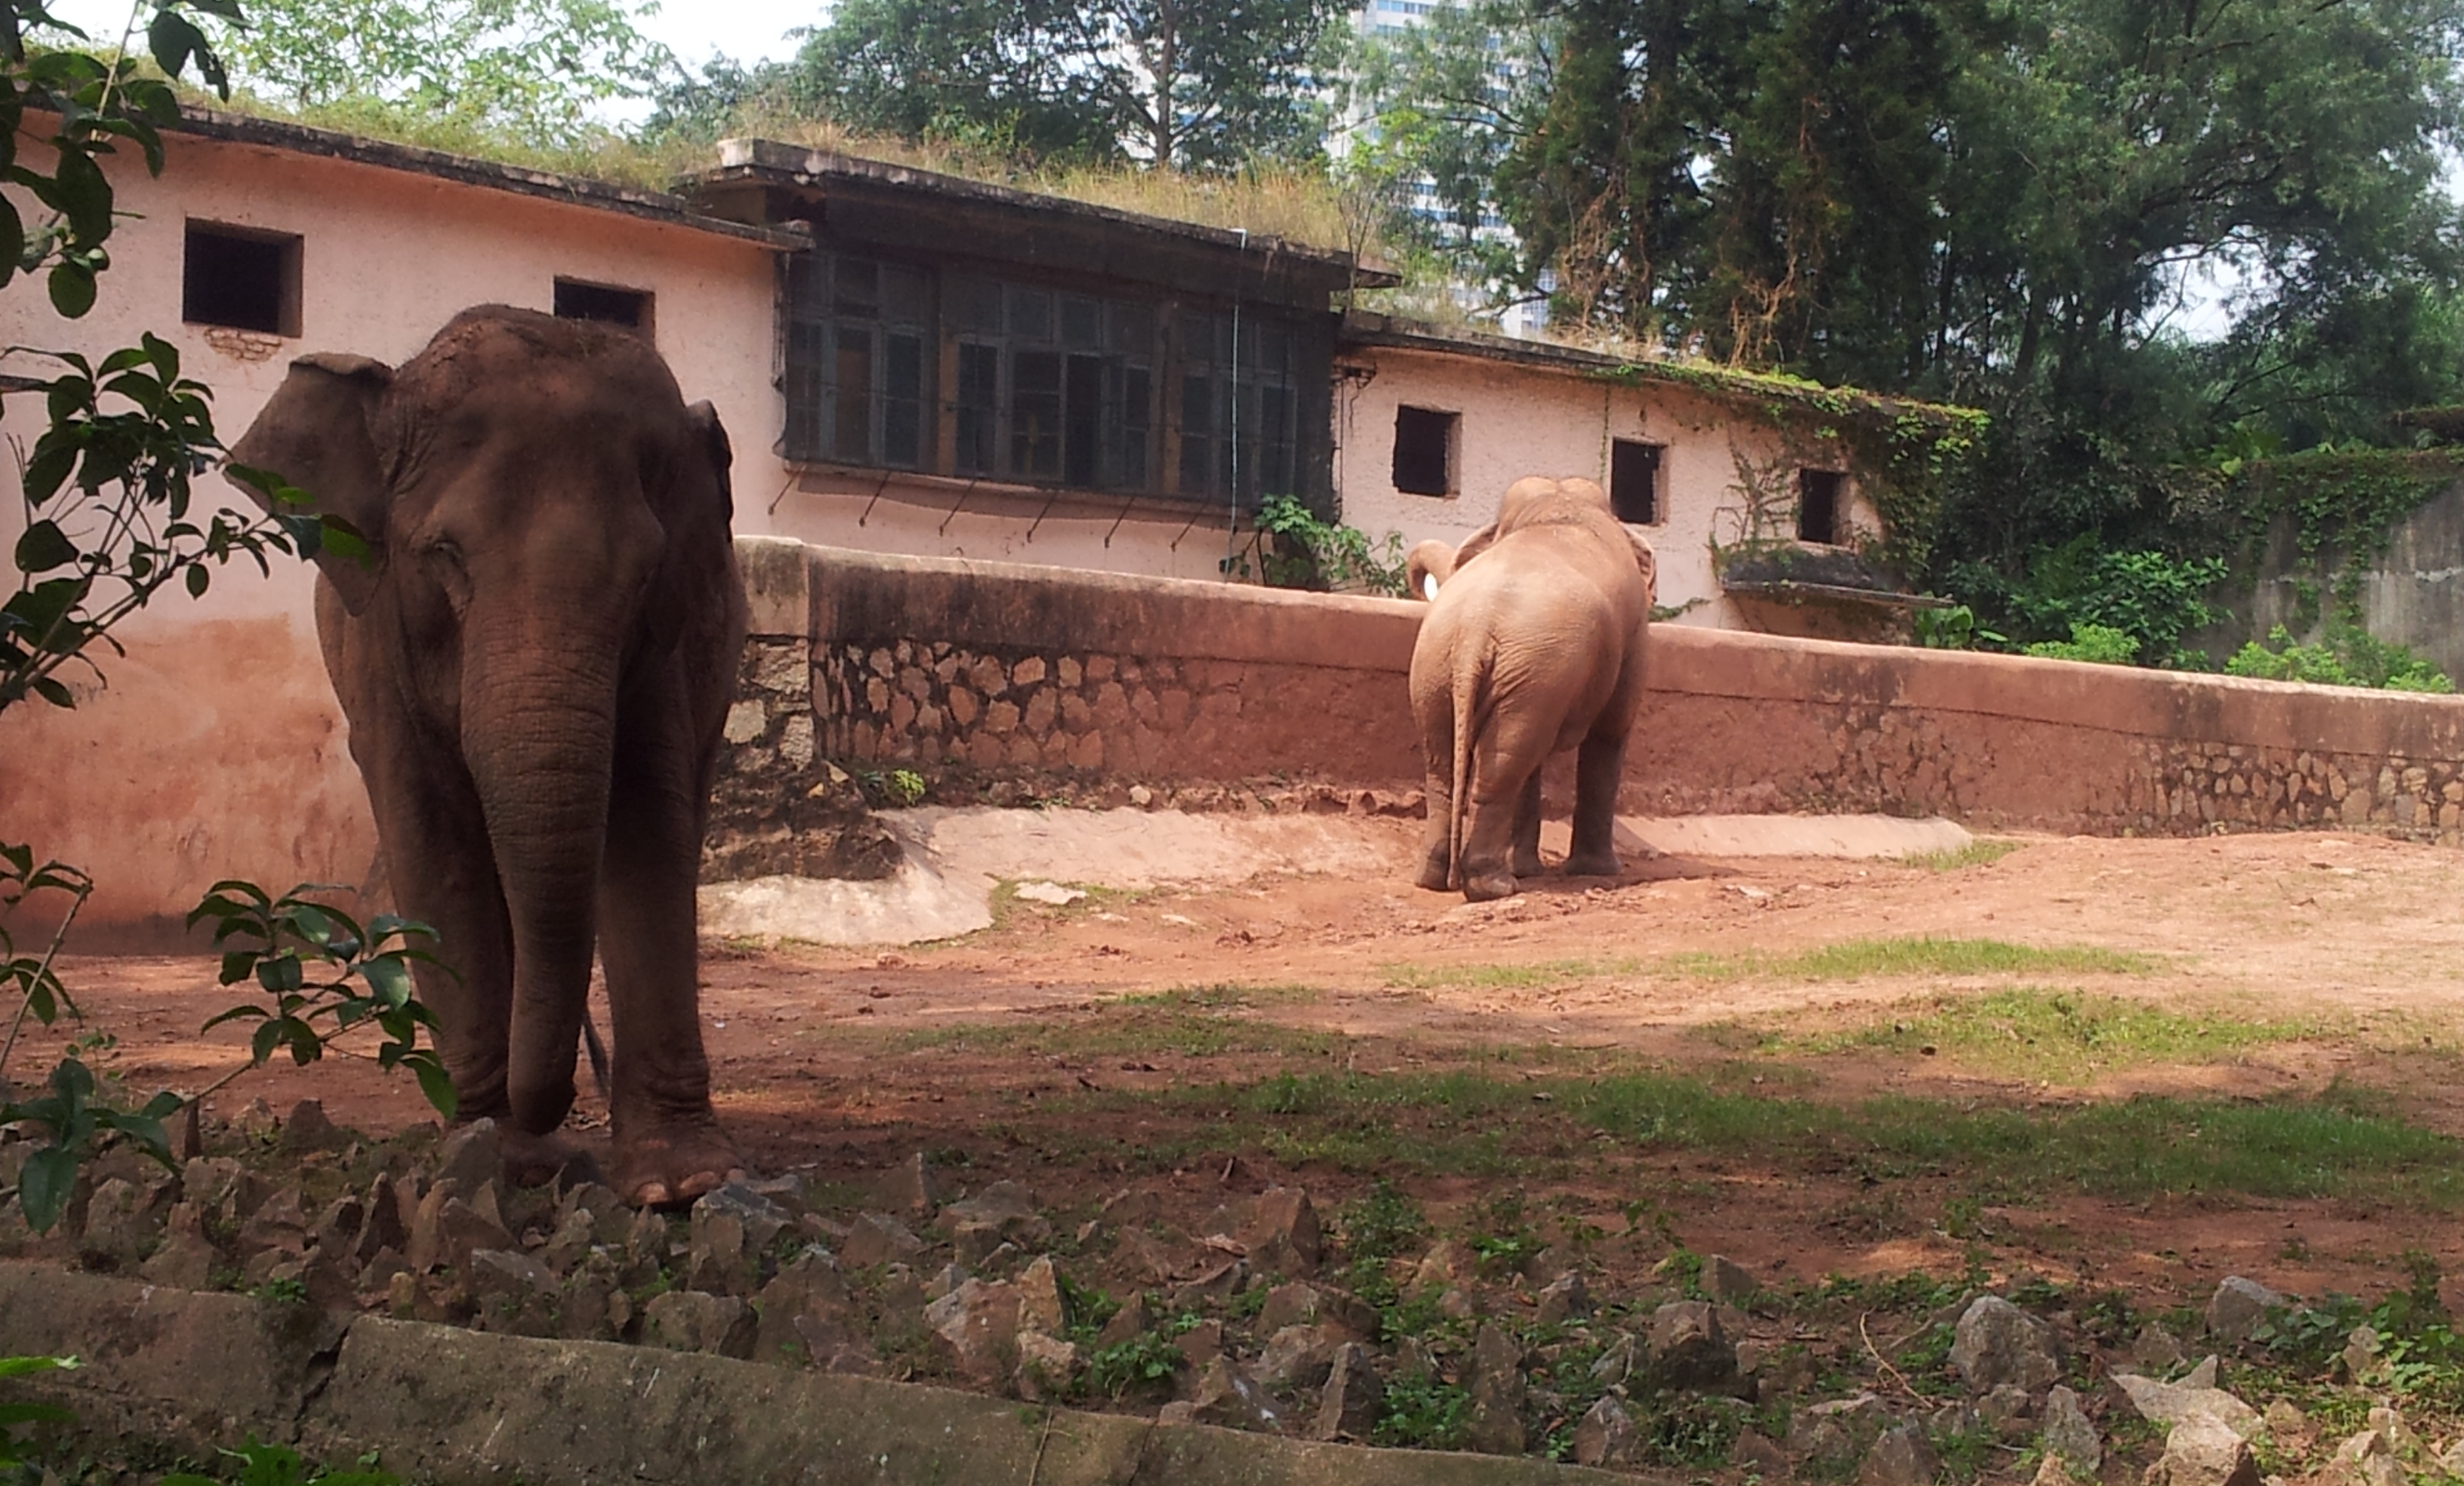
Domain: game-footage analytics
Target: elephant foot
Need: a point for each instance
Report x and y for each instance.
(1593, 864)
(1489, 887)
(1528, 867)
(538, 1159)
(669, 1165)
(1434, 877)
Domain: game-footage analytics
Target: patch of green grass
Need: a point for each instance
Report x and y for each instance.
(1195, 1022)
(2041, 1034)
(1984, 852)
(1864, 959)
(1518, 976)
(2338, 1144)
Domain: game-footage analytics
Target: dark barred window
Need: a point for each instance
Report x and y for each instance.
(959, 374)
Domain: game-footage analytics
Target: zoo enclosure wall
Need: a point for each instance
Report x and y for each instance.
(1030, 682)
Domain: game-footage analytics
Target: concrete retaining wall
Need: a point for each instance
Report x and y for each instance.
(173, 1370)
(1049, 681)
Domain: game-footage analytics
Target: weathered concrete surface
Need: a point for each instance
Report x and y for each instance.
(460, 1409)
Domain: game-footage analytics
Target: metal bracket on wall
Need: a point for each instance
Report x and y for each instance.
(880, 486)
(1048, 504)
(1117, 521)
(944, 528)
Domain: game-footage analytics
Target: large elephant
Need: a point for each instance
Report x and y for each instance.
(536, 664)
(1533, 644)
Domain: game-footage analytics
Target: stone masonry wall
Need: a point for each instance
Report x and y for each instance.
(1009, 682)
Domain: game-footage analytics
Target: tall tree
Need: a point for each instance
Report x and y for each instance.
(532, 69)
(1188, 84)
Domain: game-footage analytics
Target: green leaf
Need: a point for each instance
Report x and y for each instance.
(72, 286)
(43, 1187)
(434, 1083)
(44, 547)
(197, 580)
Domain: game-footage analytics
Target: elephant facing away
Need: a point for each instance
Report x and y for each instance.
(1533, 644)
(536, 665)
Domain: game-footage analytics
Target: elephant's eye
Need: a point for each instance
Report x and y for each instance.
(443, 559)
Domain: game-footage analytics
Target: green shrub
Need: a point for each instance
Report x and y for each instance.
(2103, 644)
(2348, 655)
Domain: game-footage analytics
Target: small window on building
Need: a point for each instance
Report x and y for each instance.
(1424, 451)
(241, 279)
(1817, 505)
(1634, 481)
(604, 302)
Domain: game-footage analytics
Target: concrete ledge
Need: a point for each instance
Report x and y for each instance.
(191, 1371)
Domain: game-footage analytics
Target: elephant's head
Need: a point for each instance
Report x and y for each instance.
(526, 485)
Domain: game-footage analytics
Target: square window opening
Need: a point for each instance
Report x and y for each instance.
(1634, 481)
(605, 303)
(1817, 506)
(1424, 451)
(241, 279)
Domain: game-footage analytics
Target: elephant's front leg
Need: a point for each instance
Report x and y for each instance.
(1599, 769)
(669, 1146)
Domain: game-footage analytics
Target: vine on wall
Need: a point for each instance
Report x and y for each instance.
(1904, 455)
(2345, 506)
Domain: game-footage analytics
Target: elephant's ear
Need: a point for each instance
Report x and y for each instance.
(1649, 562)
(1475, 544)
(316, 434)
(716, 449)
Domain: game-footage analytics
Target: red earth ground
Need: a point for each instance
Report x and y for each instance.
(1013, 1050)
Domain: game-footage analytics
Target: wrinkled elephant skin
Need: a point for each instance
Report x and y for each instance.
(1533, 645)
(536, 662)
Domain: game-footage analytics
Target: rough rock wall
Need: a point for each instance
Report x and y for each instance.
(1010, 683)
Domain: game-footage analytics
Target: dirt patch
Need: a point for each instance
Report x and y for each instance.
(1986, 1068)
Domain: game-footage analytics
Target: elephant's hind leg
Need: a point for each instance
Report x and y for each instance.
(669, 1146)
(1600, 769)
(1527, 861)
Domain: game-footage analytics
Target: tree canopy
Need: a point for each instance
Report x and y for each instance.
(535, 70)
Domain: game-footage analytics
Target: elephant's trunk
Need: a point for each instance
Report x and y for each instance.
(537, 729)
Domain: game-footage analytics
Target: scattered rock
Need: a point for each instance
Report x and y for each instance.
(1688, 1349)
(2238, 1308)
(2369, 1459)
(185, 1259)
(1226, 1396)
(280, 1222)
(1303, 1304)
(805, 1312)
(877, 1238)
(516, 1294)
(2362, 1355)
(1040, 1306)
(1838, 1431)
(1565, 1298)
(1046, 1367)
(2156, 1350)
(913, 1186)
(1300, 1357)
(1495, 1424)
(1458, 1305)
(1281, 1235)
(1051, 893)
(2202, 1449)
(1900, 1457)
(2070, 1434)
(576, 1234)
(1604, 1434)
(1004, 1212)
(2172, 1403)
(1201, 1343)
(1998, 1343)
(2285, 1424)
(2008, 1412)
(472, 1156)
(448, 1230)
(692, 1320)
(594, 1306)
(123, 1221)
(1725, 1279)
(1757, 1453)
(1441, 1266)
(2451, 1459)
(762, 1219)
(1129, 1207)
(307, 1129)
(1130, 1322)
(719, 1257)
(978, 1324)
(1347, 1406)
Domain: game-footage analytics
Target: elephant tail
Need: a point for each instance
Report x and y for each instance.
(1471, 710)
